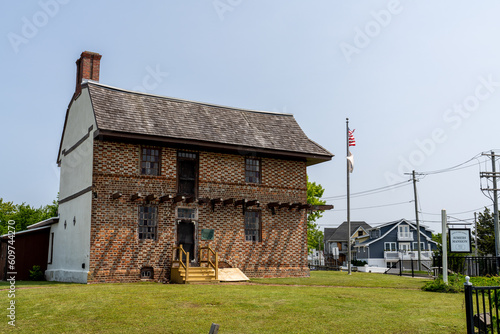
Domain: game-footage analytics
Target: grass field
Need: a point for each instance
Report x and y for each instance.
(328, 302)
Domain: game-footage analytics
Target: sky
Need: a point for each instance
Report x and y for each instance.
(419, 82)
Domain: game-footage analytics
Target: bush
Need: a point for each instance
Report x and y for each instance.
(358, 263)
(485, 281)
(36, 274)
(455, 284)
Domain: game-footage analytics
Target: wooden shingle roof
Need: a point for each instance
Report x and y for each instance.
(123, 113)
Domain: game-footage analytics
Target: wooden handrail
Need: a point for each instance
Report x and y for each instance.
(180, 261)
(208, 259)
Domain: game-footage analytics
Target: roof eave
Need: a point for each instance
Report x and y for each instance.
(45, 222)
(309, 158)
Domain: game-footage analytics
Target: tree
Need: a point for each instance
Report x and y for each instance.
(439, 240)
(485, 233)
(24, 214)
(314, 235)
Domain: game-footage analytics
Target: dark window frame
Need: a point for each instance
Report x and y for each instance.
(147, 227)
(252, 175)
(144, 167)
(147, 270)
(189, 156)
(253, 237)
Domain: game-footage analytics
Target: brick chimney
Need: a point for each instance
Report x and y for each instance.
(87, 67)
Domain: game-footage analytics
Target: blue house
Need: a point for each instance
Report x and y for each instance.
(390, 242)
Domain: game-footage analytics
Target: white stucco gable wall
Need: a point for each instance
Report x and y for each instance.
(70, 251)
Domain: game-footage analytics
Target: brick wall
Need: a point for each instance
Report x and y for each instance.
(117, 254)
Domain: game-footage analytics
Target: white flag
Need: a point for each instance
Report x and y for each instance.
(350, 158)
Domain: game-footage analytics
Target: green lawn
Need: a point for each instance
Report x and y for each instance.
(328, 302)
(356, 279)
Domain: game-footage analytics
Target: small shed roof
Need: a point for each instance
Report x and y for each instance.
(23, 232)
(45, 222)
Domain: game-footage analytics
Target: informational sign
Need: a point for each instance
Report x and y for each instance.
(460, 240)
(207, 234)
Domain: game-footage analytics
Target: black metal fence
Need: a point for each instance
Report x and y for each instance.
(323, 268)
(481, 307)
(470, 265)
(410, 268)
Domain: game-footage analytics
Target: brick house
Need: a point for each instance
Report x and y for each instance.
(142, 174)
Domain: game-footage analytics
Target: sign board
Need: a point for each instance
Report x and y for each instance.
(460, 240)
(207, 234)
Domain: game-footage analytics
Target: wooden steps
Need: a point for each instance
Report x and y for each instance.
(195, 275)
(183, 272)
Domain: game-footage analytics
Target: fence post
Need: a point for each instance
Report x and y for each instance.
(412, 272)
(469, 308)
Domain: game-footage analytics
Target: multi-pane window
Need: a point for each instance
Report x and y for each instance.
(252, 170)
(404, 231)
(148, 221)
(187, 171)
(252, 226)
(390, 246)
(186, 213)
(415, 246)
(150, 161)
(374, 234)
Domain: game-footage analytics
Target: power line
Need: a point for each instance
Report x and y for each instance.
(457, 213)
(462, 220)
(371, 191)
(453, 168)
(376, 206)
(435, 221)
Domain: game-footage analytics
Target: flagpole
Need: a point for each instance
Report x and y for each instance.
(348, 202)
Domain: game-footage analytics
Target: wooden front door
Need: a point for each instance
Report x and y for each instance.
(186, 237)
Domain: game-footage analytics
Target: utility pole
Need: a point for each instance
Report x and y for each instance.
(493, 174)
(475, 234)
(413, 174)
(416, 217)
(495, 203)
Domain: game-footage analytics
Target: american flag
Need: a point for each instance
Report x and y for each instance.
(352, 141)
